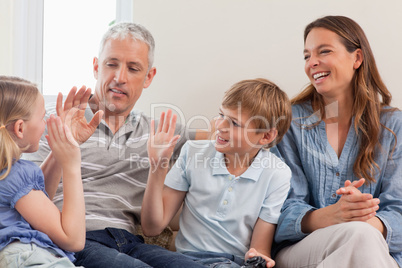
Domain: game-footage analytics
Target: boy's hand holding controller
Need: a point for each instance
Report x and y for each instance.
(256, 259)
(161, 143)
(257, 262)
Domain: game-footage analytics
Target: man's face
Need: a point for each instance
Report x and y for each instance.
(122, 73)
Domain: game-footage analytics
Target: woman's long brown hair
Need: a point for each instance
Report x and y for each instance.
(367, 86)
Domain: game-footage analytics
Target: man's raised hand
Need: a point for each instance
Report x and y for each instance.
(73, 113)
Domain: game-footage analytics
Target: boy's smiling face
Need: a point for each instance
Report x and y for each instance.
(236, 134)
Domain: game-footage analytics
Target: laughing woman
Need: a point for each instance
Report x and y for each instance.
(344, 207)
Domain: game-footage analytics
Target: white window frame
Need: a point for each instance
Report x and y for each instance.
(124, 10)
(28, 40)
(28, 36)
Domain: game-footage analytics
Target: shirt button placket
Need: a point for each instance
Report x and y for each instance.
(223, 208)
(337, 175)
(230, 189)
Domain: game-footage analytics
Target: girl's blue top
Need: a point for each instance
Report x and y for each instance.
(24, 177)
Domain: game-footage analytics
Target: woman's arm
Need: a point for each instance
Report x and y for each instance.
(389, 183)
(352, 206)
(296, 204)
(356, 208)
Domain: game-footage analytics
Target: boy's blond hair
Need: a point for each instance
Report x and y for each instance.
(266, 104)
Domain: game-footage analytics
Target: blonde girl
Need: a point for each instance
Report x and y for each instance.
(32, 230)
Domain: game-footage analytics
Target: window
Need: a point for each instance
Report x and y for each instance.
(27, 39)
(54, 41)
(71, 36)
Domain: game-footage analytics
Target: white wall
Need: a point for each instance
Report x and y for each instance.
(204, 46)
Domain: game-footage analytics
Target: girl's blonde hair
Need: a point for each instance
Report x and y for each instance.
(17, 97)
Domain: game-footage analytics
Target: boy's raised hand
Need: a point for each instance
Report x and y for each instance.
(73, 113)
(65, 149)
(161, 143)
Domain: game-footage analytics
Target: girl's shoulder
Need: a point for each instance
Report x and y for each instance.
(24, 177)
(24, 172)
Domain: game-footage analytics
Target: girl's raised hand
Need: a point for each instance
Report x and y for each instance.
(162, 141)
(65, 228)
(64, 147)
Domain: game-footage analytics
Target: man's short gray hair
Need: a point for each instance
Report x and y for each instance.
(136, 31)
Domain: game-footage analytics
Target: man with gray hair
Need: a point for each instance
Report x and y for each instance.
(114, 154)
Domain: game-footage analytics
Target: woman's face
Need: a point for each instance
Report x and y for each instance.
(328, 65)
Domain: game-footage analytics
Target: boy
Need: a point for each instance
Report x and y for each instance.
(233, 188)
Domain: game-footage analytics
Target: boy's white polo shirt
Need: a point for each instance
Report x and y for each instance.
(220, 210)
